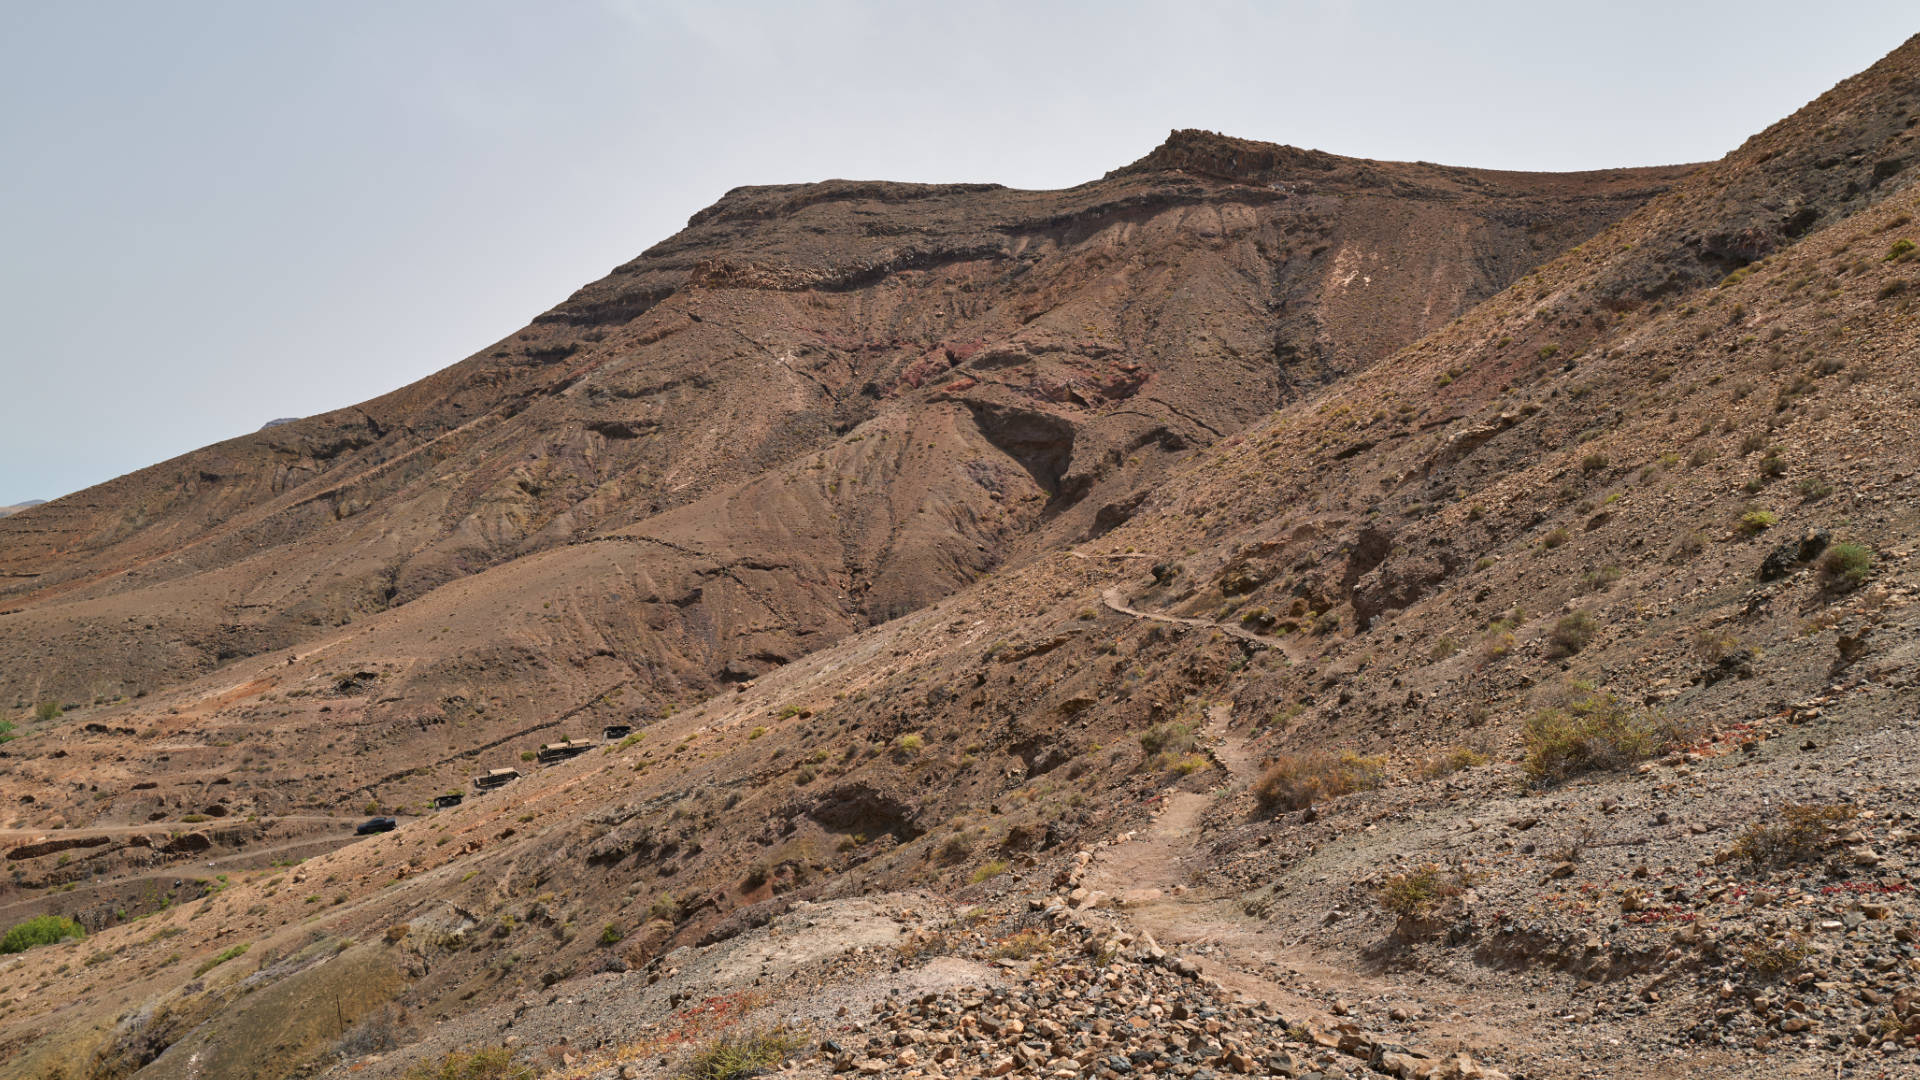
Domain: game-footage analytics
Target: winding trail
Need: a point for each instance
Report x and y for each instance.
(1115, 600)
(1151, 872)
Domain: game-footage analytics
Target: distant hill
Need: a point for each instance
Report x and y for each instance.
(6, 511)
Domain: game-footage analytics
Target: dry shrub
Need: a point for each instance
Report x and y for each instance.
(1173, 737)
(1571, 634)
(954, 848)
(1800, 833)
(1021, 946)
(1593, 731)
(1296, 781)
(1447, 763)
(1715, 644)
(736, 1055)
(495, 1063)
(1420, 894)
(1776, 959)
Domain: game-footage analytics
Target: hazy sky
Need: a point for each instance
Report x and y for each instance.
(215, 214)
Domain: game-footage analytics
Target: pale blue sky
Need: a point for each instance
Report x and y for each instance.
(215, 214)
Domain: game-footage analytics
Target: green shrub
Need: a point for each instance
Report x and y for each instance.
(1572, 633)
(492, 1064)
(1555, 538)
(46, 710)
(737, 1055)
(44, 930)
(911, 742)
(611, 934)
(1593, 731)
(1297, 781)
(1846, 565)
(1446, 646)
(1901, 251)
(1754, 522)
(1593, 462)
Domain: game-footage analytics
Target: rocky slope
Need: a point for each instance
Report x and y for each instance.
(1536, 692)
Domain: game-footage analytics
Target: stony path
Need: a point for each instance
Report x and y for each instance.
(1147, 872)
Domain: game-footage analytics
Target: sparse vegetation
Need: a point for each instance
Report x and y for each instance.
(1754, 522)
(1556, 537)
(990, 869)
(1716, 643)
(1599, 578)
(46, 710)
(1296, 781)
(495, 1063)
(219, 958)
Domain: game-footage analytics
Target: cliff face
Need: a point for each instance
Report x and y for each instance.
(885, 389)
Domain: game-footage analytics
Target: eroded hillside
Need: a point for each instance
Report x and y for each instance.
(807, 378)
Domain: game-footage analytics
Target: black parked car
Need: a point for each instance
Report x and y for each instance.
(375, 825)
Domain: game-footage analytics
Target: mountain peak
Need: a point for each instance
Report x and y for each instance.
(1224, 157)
